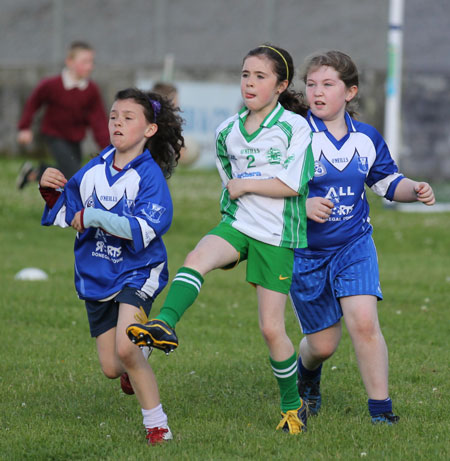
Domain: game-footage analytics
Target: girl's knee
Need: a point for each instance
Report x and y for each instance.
(126, 353)
(192, 259)
(110, 364)
(110, 371)
(367, 329)
(323, 344)
(324, 351)
(271, 334)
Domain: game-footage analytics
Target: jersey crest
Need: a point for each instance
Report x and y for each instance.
(363, 164)
(154, 212)
(90, 202)
(274, 156)
(319, 168)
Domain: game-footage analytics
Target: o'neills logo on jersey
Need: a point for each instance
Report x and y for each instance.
(339, 160)
(108, 198)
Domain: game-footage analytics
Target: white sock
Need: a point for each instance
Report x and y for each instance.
(154, 417)
(146, 351)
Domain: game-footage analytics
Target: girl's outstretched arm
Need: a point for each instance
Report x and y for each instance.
(106, 220)
(408, 190)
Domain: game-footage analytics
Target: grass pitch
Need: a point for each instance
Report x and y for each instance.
(217, 388)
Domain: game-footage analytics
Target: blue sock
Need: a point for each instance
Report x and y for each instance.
(311, 375)
(377, 407)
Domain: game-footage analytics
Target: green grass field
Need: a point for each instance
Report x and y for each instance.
(217, 388)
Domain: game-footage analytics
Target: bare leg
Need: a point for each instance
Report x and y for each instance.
(361, 318)
(106, 349)
(117, 354)
(139, 370)
(315, 348)
(271, 306)
(211, 252)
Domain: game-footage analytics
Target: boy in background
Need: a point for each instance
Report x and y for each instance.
(72, 103)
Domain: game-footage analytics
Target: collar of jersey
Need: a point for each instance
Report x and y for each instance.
(108, 156)
(317, 124)
(268, 122)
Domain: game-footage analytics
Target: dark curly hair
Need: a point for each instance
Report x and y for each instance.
(166, 143)
(283, 67)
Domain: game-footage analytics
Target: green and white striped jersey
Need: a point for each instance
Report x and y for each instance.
(280, 148)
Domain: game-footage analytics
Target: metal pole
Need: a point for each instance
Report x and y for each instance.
(168, 69)
(392, 116)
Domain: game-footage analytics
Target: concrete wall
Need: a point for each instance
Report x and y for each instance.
(208, 39)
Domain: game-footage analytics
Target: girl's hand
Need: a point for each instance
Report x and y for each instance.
(319, 209)
(77, 222)
(236, 188)
(52, 178)
(424, 193)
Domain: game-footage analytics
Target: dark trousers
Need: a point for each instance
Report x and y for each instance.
(67, 155)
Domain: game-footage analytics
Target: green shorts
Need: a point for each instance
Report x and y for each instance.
(267, 265)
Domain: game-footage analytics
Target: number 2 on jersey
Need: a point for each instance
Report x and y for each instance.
(251, 161)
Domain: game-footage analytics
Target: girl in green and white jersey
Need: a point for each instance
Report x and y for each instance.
(265, 162)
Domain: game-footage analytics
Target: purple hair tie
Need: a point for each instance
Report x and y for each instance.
(156, 105)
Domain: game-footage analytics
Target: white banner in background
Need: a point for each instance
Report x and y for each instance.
(204, 107)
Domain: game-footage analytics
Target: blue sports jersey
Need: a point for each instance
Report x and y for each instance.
(105, 263)
(341, 171)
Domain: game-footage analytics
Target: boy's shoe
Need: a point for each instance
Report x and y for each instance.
(125, 384)
(309, 391)
(385, 418)
(157, 435)
(154, 333)
(23, 178)
(294, 421)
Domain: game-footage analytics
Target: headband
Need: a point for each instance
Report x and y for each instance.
(282, 57)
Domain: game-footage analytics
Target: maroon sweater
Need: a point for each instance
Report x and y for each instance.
(67, 112)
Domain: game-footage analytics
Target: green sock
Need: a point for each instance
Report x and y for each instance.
(286, 374)
(182, 294)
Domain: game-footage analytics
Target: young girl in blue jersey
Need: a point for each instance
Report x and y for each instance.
(120, 205)
(337, 274)
(265, 163)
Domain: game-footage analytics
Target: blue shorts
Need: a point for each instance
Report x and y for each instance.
(103, 315)
(318, 281)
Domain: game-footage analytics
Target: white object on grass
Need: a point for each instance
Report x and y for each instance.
(31, 273)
